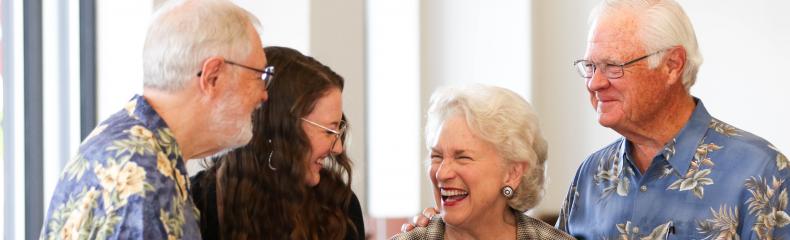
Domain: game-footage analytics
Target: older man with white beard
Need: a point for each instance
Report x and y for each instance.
(204, 74)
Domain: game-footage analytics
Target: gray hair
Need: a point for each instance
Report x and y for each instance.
(504, 119)
(183, 34)
(663, 24)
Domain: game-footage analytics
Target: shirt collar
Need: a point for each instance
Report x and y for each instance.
(138, 108)
(680, 150)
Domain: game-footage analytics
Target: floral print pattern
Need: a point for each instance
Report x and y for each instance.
(126, 182)
(696, 179)
(609, 174)
(769, 203)
(711, 181)
(781, 160)
(722, 225)
(629, 232)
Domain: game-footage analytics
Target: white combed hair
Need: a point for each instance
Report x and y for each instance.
(664, 24)
(183, 34)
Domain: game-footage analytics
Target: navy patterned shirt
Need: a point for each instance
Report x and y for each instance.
(127, 181)
(712, 181)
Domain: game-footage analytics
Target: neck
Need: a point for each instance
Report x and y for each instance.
(499, 227)
(649, 137)
(178, 110)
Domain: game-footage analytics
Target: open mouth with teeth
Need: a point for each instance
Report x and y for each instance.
(452, 196)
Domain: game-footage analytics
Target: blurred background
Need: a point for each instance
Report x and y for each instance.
(66, 65)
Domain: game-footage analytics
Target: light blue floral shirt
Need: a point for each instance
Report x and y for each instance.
(126, 182)
(712, 181)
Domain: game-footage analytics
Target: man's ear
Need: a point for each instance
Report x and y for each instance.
(676, 60)
(514, 173)
(209, 74)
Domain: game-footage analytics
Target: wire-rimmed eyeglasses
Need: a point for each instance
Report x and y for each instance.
(266, 74)
(586, 68)
(339, 133)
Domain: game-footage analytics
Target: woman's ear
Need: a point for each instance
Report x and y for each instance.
(515, 171)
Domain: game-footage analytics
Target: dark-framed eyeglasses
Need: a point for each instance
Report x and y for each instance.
(586, 68)
(339, 133)
(266, 74)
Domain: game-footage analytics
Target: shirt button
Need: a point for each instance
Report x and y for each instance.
(643, 188)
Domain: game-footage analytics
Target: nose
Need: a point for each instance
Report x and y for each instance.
(598, 81)
(337, 146)
(445, 171)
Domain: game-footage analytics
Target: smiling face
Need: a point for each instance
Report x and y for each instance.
(328, 112)
(638, 95)
(467, 174)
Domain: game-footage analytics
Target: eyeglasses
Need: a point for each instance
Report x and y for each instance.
(586, 68)
(339, 133)
(266, 74)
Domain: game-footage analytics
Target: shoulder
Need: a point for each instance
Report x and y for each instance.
(608, 150)
(434, 230)
(355, 211)
(605, 155)
(530, 228)
(750, 150)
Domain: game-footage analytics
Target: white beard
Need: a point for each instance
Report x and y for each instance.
(230, 133)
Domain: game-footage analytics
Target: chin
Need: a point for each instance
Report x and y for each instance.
(608, 119)
(454, 218)
(314, 181)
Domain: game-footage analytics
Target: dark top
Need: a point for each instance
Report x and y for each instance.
(209, 221)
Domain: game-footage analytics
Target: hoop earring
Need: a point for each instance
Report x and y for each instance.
(270, 157)
(507, 191)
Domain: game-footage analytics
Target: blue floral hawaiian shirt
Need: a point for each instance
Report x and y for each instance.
(126, 182)
(712, 181)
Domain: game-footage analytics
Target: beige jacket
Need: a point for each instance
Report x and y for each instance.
(528, 228)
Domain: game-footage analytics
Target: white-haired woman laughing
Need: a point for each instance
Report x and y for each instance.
(487, 166)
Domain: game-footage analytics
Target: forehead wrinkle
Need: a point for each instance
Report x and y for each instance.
(615, 39)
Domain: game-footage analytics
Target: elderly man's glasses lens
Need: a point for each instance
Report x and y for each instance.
(586, 68)
(339, 133)
(266, 74)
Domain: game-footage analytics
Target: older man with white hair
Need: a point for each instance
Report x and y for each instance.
(204, 74)
(677, 172)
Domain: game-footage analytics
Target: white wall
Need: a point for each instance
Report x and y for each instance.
(120, 33)
(744, 79)
(284, 23)
(393, 108)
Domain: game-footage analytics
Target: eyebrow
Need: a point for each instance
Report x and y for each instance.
(455, 153)
(606, 59)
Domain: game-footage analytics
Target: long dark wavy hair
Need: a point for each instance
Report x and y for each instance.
(258, 202)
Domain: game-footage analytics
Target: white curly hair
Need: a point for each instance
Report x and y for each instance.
(504, 119)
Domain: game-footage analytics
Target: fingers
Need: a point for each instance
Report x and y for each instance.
(423, 219)
(430, 212)
(406, 227)
(420, 220)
